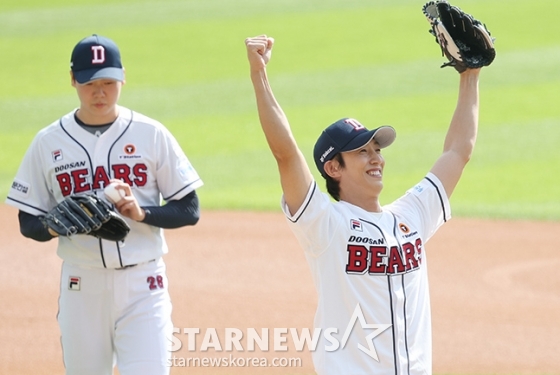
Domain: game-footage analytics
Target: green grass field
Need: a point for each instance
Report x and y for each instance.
(372, 60)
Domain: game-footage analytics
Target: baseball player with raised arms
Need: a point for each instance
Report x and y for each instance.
(114, 306)
(368, 261)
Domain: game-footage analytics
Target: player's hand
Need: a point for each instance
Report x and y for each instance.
(259, 50)
(128, 206)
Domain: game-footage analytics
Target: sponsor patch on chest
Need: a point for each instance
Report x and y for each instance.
(129, 152)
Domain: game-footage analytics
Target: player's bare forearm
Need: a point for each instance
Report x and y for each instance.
(273, 121)
(295, 175)
(461, 135)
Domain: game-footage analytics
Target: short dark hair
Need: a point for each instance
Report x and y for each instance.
(333, 186)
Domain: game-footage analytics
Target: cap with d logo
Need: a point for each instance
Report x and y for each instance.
(345, 135)
(96, 57)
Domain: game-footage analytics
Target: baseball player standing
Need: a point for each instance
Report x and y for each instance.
(368, 261)
(114, 306)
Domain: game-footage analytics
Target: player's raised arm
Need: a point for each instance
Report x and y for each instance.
(295, 176)
(461, 136)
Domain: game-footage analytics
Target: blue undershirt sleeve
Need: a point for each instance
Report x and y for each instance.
(175, 213)
(31, 227)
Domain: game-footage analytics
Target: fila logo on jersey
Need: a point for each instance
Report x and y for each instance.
(98, 54)
(379, 260)
(356, 225)
(57, 155)
(74, 283)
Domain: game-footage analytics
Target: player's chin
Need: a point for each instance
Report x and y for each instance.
(376, 182)
(373, 185)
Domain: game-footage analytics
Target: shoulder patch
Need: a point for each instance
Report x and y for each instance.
(186, 170)
(20, 188)
(418, 189)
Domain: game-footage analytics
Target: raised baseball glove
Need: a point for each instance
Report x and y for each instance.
(464, 41)
(86, 214)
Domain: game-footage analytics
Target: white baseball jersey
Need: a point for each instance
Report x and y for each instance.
(370, 272)
(64, 159)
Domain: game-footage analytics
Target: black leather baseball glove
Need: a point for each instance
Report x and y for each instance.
(86, 214)
(464, 41)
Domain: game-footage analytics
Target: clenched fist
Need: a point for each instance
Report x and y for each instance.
(259, 49)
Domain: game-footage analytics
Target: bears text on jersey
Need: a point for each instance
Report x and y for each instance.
(80, 180)
(384, 260)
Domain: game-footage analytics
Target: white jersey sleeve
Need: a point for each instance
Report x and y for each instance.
(175, 175)
(312, 227)
(427, 201)
(30, 191)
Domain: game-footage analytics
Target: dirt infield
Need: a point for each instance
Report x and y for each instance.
(495, 294)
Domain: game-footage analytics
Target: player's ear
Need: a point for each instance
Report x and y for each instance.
(332, 168)
(124, 75)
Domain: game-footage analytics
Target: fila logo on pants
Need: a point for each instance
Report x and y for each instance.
(74, 283)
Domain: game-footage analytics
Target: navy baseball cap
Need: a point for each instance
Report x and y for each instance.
(348, 134)
(96, 57)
